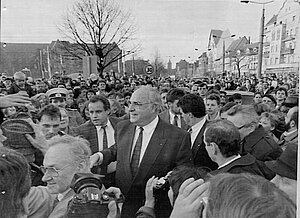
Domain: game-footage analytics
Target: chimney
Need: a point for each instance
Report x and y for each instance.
(249, 40)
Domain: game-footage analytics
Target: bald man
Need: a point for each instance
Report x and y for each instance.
(146, 146)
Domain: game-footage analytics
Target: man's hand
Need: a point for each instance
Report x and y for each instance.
(18, 99)
(150, 201)
(39, 141)
(94, 160)
(113, 212)
(191, 199)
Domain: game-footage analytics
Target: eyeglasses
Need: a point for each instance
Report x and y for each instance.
(52, 171)
(138, 104)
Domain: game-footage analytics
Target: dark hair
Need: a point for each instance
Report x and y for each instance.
(237, 96)
(101, 98)
(181, 173)
(192, 103)
(212, 91)
(225, 135)
(15, 182)
(203, 84)
(127, 94)
(91, 91)
(214, 97)
(174, 94)
(49, 110)
(271, 98)
(282, 89)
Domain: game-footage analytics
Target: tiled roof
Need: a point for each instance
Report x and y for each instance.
(24, 47)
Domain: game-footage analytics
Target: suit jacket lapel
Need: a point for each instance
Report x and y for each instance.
(199, 139)
(125, 151)
(154, 147)
(93, 137)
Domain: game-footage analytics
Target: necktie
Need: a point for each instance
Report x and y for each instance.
(190, 130)
(104, 141)
(134, 165)
(175, 121)
(55, 202)
(104, 144)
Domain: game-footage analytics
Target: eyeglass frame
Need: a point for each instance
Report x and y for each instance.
(138, 104)
(56, 170)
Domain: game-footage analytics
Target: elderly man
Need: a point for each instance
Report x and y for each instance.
(145, 146)
(254, 139)
(222, 140)
(20, 85)
(64, 157)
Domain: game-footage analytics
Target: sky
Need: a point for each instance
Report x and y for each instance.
(173, 28)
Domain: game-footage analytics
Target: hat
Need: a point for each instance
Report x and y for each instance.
(271, 98)
(286, 164)
(291, 101)
(57, 93)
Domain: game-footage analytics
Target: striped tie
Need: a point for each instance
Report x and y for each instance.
(134, 165)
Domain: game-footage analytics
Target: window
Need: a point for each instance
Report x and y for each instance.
(272, 48)
(287, 33)
(291, 32)
(278, 35)
(273, 35)
(294, 17)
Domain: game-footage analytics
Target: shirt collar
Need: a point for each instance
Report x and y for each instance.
(150, 126)
(60, 196)
(108, 124)
(198, 125)
(225, 164)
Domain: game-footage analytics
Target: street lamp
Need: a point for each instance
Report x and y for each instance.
(261, 34)
(223, 52)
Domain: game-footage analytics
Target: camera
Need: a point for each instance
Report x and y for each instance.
(162, 186)
(89, 200)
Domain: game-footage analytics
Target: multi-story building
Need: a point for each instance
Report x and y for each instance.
(282, 41)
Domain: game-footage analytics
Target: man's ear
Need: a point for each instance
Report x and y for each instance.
(292, 124)
(215, 148)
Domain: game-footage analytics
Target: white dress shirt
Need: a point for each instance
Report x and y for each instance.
(225, 164)
(110, 132)
(196, 129)
(172, 119)
(147, 134)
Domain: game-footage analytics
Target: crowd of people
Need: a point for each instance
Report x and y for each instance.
(172, 147)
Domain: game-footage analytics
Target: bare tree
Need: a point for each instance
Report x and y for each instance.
(99, 27)
(158, 64)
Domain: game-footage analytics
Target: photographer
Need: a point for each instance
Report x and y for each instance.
(64, 157)
(172, 182)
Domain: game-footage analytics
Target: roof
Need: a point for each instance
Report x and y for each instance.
(24, 47)
(238, 44)
(272, 20)
(217, 33)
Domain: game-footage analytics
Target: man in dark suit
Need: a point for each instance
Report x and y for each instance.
(173, 115)
(192, 108)
(145, 146)
(222, 141)
(100, 132)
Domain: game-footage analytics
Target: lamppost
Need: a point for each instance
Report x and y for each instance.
(223, 50)
(261, 34)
